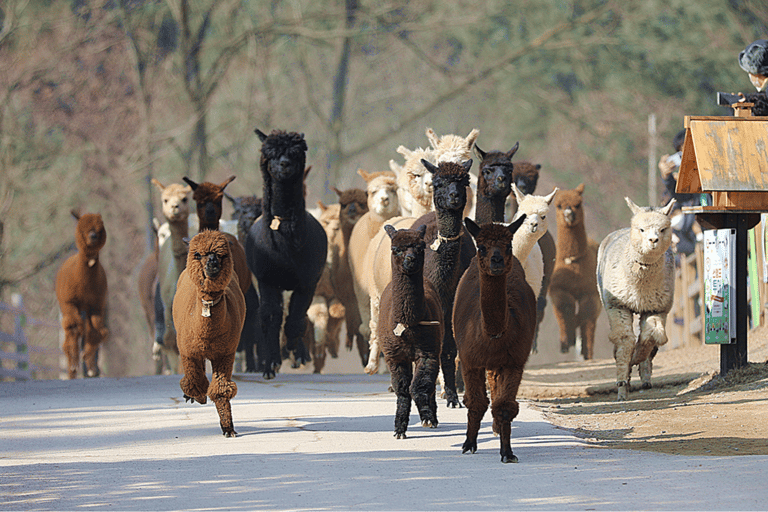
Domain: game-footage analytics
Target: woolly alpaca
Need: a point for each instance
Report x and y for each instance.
(410, 328)
(149, 295)
(245, 210)
(494, 320)
(209, 312)
(172, 260)
(414, 184)
(353, 204)
(383, 205)
(81, 289)
(208, 200)
(573, 279)
(326, 313)
(636, 278)
(286, 248)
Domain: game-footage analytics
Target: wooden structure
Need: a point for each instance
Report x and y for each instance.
(728, 158)
(686, 314)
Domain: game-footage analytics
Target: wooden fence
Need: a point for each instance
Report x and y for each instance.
(15, 363)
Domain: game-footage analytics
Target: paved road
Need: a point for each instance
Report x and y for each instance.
(321, 442)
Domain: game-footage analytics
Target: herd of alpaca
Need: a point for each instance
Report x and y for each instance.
(420, 267)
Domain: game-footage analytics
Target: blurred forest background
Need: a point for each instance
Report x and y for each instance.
(97, 96)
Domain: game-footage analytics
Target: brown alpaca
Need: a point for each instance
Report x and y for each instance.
(81, 289)
(574, 281)
(494, 318)
(410, 329)
(353, 205)
(209, 312)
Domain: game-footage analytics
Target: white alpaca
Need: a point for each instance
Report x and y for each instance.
(636, 277)
(525, 245)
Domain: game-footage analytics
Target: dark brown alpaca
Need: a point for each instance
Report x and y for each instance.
(81, 289)
(574, 281)
(494, 318)
(209, 312)
(410, 329)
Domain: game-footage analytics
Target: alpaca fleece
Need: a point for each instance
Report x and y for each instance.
(209, 312)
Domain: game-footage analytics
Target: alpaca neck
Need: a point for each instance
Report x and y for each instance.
(408, 298)
(449, 222)
(641, 266)
(489, 208)
(493, 303)
(211, 226)
(287, 199)
(179, 231)
(88, 257)
(523, 243)
(571, 241)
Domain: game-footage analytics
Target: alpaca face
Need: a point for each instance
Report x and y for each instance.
(209, 262)
(536, 209)
(354, 204)
(407, 248)
(568, 205)
(283, 154)
(382, 197)
(495, 177)
(651, 234)
(494, 245)
(246, 210)
(526, 176)
(450, 181)
(90, 233)
(175, 202)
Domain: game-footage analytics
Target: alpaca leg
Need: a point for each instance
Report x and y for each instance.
(652, 335)
(73, 326)
(333, 332)
(623, 338)
(505, 408)
(221, 390)
(271, 319)
(589, 310)
(373, 349)
(646, 369)
(423, 389)
(157, 347)
(448, 364)
(476, 402)
(251, 330)
(565, 312)
(95, 334)
(296, 324)
(401, 375)
(194, 383)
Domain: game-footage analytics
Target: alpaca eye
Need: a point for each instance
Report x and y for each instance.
(481, 250)
(184, 200)
(198, 256)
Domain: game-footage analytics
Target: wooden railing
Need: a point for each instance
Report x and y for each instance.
(685, 323)
(15, 351)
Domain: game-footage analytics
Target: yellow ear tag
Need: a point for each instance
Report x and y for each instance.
(91, 263)
(399, 329)
(275, 224)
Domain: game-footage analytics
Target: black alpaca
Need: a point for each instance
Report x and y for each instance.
(286, 249)
(449, 253)
(410, 329)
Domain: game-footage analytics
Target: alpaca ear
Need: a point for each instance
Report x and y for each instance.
(551, 196)
(479, 152)
(429, 165)
(632, 206)
(518, 195)
(515, 225)
(472, 137)
(262, 136)
(231, 199)
(321, 205)
(158, 184)
(432, 136)
(75, 212)
(668, 209)
(422, 230)
(395, 168)
(390, 230)
(467, 165)
(186, 241)
(227, 182)
(366, 176)
(537, 166)
(472, 227)
(512, 151)
(580, 188)
(338, 192)
(190, 183)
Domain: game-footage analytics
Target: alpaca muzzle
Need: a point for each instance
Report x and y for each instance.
(212, 266)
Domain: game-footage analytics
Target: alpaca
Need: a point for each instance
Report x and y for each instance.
(286, 249)
(494, 318)
(209, 313)
(327, 313)
(414, 184)
(353, 205)
(383, 205)
(149, 295)
(410, 328)
(245, 210)
(172, 259)
(81, 290)
(573, 280)
(208, 200)
(636, 278)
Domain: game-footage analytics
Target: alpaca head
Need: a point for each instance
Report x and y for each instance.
(651, 231)
(209, 261)
(526, 176)
(494, 245)
(569, 208)
(415, 180)
(208, 197)
(329, 218)
(452, 148)
(175, 200)
(90, 235)
(407, 248)
(535, 209)
(246, 209)
(382, 193)
(496, 173)
(354, 204)
(283, 155)
(450, 181)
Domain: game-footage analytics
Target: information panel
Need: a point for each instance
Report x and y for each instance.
(719, 286)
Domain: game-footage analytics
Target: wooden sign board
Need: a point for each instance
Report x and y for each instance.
(727, 156)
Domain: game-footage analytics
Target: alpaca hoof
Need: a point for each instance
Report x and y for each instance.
(469, 446)
(508, 458)
(193, 399)
(96, 372)
(646, 385)
(429, 423)
(452, 399)
(230, 433)
(400, 435)
(372, 369)
(268, 374)
(622, 392)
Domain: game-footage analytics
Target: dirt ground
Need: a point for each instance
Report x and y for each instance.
(690, 410)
